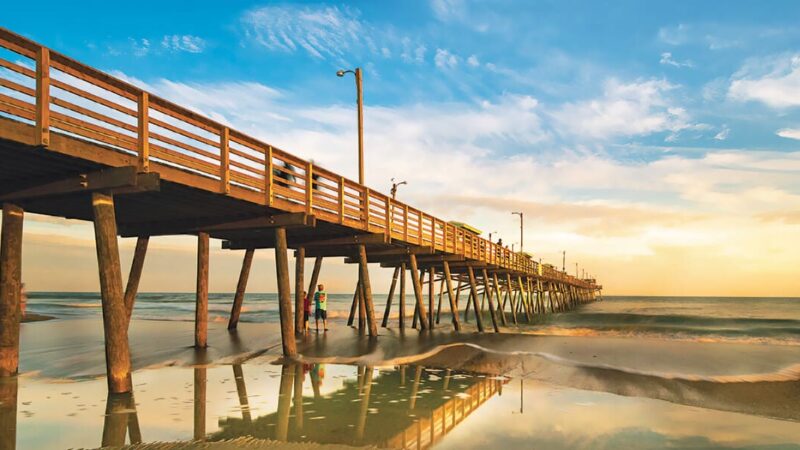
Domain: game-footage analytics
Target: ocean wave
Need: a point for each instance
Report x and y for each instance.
(762, 337)
(376, 359)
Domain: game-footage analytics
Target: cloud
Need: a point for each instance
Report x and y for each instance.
(666, 59)
(321, 32)
(674, 35)
(789, 133)
(139, 47)
(723, 133)
(445, 60)
(774, 81)
(473, 61)
(625, 109)
(449, 10)
(183, 43)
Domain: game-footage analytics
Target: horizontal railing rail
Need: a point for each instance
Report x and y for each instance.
(56, 93)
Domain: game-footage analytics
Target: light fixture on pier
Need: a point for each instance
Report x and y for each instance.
(360, 103)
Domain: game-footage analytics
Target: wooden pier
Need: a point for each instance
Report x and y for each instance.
(81, 144)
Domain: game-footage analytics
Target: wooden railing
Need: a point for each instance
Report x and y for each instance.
(56, 93)
(427, 431)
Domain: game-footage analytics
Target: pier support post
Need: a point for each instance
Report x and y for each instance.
(201, 295)
(415, 280)
(402, 299)
(474, 289)
(132, 288)
(241, 286)
(488, 291)
(366, 288)
(389, 298)
(284, 294)
(354, 305)
(524, 299)
(115, 320)
(499, 300)
(431, 296)
(10, 288)
(299, 284)
(453, 305)
(312, 285)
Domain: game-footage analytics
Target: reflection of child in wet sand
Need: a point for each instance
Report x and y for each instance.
(317, 375)
(23, 300)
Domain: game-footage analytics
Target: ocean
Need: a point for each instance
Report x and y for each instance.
(704, 319)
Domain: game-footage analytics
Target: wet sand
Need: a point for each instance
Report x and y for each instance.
(576, 384)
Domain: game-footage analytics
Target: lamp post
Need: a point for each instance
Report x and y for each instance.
(394, 187)
(520, 214)
(564, 261)
(360, 101)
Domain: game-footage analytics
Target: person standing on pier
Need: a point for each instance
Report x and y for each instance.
(321, 307)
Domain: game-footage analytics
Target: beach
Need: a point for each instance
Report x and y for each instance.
(561, 383)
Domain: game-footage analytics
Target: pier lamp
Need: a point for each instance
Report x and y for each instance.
(360, 102)
(520, 214)
(394, 187)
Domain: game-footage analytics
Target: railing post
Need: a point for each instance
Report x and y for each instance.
(389, 213)
(309, 188)
(341, 199)
(224, 161)
(433, 232)
(405, 223)
(365, 214)
(268, 175)
(420, 218)
(143, 132)
(43, 97)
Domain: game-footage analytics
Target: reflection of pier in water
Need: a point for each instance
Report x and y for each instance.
(396, 409)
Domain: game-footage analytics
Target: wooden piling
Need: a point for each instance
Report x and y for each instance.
(497, 294)
(312, 285)
(241, 391)
(284, 294)
(241, 286)
(115, 421)
(299, 285)
(201, 295)
(412, 259)
(354, 305)
(10, 288)
(132, 288)
(439, 300)
(9, 389)
(431, 295)
(488, 291)
(402, 299)
(298, 398)
(388, 309)
(453, 298)
(115, 317)
(474, 289)
(366, 287)
(284, 402)
(200, 382)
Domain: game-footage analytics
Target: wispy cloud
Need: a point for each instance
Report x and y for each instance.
(723, 133)
(184, 43)
(789, 133)
(774, 81)
(625, 109)
(668, 60)
(321, 32)
(445, 60)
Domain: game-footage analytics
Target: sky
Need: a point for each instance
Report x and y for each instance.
(657, 143)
